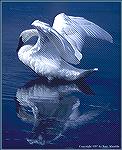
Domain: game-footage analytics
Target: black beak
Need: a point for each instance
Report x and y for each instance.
(20, 44)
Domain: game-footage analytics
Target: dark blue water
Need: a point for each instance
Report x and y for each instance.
(83, 114)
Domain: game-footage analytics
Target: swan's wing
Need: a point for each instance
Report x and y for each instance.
(62, 45)
(92, 29)
(75, 29)
(71, 31)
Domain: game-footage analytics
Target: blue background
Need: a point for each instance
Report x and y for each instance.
(17, 17)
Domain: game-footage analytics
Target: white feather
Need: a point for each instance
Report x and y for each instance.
(75, 29)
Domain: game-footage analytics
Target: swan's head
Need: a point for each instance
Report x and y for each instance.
(25, 36)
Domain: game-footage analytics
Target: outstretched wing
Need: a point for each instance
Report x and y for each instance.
(75, 29)
(92, 29)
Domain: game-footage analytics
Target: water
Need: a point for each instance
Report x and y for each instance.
(38, 114)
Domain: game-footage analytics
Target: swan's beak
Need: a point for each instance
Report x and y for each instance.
(20, 44)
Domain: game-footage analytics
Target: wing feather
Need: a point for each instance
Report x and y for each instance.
(92, 29)
(62, 45)
(75, 30)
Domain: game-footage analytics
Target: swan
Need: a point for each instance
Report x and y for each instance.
(58, 48)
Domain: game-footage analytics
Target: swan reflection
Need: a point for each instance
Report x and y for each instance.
(52, 108)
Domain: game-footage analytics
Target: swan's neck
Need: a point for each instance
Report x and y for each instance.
(24, 54)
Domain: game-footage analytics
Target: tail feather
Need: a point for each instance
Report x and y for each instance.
(86, 73)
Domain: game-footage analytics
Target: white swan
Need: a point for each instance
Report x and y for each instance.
(59, 47)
